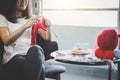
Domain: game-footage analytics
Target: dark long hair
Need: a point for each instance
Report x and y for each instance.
(8, 9)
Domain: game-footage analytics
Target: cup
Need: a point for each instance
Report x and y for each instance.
(83, 46)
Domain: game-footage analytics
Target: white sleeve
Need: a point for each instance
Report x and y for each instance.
(3, 21)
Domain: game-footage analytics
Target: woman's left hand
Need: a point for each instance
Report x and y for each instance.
(47, 22)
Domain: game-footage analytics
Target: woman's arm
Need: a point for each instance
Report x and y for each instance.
(12, 37)
(30, 13)
(46, 35)
(9, 38)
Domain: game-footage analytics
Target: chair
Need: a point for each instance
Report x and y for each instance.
(52, 72)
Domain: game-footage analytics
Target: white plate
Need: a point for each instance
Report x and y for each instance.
(80, 52)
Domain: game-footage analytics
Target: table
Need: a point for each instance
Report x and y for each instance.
(66, 56)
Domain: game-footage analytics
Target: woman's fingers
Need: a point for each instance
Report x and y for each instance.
(34, 19)
(48, 22)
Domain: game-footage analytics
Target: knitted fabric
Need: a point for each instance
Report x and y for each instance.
(40, 24)
(107, 41)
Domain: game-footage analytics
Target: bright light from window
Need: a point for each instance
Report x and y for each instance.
(56, 10)
(73, 4)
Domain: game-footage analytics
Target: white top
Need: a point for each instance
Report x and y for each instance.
(23, 42)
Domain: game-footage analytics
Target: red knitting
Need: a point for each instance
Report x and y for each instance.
(107, 41)
(40, 24)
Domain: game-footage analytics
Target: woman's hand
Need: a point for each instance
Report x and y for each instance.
(31, 21)
(47, 22)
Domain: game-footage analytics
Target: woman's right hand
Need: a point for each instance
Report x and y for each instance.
(48, 23)
(31, 21)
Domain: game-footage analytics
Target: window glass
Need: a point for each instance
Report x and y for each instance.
(92, 13)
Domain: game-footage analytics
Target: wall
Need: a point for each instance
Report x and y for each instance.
(67, 36)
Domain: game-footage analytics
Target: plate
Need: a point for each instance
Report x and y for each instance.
(80, 52)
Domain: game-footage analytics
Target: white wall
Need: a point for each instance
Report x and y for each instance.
(67, 36)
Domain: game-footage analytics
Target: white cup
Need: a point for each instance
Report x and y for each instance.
(83, 46)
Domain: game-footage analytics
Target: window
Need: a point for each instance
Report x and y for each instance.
(90, 13)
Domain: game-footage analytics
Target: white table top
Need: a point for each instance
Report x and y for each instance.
(70, 56)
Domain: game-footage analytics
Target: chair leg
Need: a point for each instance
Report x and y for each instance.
(54, 72)
(58, 77)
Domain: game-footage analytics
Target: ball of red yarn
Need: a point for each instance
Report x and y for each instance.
(107, 39)
(104, 54)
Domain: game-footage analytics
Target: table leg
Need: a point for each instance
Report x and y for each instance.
(109, 70)
(118, 70)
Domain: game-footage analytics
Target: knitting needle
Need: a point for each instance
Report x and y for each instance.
(41, 14)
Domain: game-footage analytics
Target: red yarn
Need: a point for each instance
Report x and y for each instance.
(40, 24)
(104, 54)
(107, 41)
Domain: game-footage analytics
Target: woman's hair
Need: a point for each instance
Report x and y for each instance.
(25, 13)
(8, 9)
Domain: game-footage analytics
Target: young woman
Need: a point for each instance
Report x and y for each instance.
(19, 57)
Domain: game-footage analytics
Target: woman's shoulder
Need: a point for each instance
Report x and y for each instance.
(3, 21)
(2, 17)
